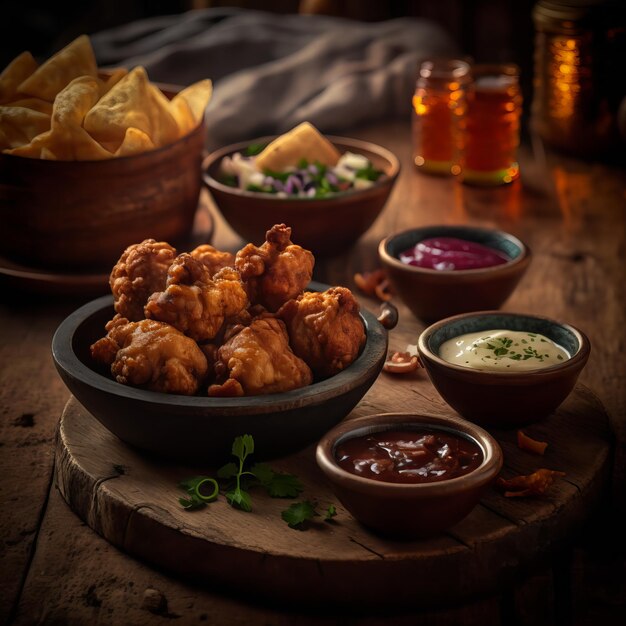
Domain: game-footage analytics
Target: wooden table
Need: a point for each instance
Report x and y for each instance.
(54, 569)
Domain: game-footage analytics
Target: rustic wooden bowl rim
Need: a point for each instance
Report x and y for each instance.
(513, 265)
(346, 142)
(483, 474)
(577, 360)
(316, 393)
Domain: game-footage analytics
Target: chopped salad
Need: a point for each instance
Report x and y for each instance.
(306, 180)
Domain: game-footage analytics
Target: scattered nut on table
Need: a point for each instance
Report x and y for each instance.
(402, 363)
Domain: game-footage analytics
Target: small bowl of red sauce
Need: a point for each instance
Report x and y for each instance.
(409, 476)
(440, 271)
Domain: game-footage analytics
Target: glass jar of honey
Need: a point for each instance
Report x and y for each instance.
(492, 125)
(580, 48)
(438, 115)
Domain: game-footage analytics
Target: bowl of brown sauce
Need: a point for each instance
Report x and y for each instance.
(406, 475)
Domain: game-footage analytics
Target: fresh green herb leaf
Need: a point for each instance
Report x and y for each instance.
(277, 484)
(331, 512)
(302, 163)
(254, 148)
(243, 446)
(229, 179)
(239, 499)
(263, 472)
(500, 351)
(189, 484)
(192, 503)
(281, 176)
(284, 486)
(252, 187)
(227, 471)
(368, 173)
(299, 514)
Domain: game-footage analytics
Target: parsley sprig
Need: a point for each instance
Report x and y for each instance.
(237, 479)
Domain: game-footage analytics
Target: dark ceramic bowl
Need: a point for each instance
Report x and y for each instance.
(435, 294)
(202, 429)
(503, 399)
(408, 510)
(326, 226)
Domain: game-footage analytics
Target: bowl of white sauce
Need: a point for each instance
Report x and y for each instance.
(503, 369)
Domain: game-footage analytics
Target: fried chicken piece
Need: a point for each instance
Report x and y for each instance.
(213, 258)
(151, 354)
(140, 271)
(325, 329)
(196, 303)
(257, 360)
(276, 271)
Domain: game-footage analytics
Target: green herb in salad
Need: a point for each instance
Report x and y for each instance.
(306, 180)
(254, 148)
(369, 173)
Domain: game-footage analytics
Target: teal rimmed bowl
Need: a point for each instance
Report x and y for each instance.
(503, 399)
(435, 294)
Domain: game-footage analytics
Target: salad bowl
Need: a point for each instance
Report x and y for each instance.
(325, 225)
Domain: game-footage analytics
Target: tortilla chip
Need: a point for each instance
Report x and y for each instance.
(164, 127)
(127, 105)
(109, 80)
(135, 142)
(14, 74)
(182, 114)
(76, 59)
(197, 96)
(302, 142)
(67, 140)
(74, 101)
(36, 104)
(34, 148)
(48, 155)
(19, 126)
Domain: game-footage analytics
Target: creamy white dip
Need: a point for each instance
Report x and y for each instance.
(503, 351)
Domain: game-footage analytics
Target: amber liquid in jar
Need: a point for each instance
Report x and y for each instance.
(492, 124)
(437, 116)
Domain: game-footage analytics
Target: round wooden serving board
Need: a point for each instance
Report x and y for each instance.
(132, 501)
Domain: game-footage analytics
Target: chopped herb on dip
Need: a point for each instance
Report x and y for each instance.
(503, 351)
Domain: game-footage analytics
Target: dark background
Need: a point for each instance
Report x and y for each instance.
(486, 30)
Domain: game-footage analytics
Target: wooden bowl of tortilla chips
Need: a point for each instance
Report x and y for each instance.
(93, 161)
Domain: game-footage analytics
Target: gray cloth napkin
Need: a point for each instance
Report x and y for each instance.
(272, 71)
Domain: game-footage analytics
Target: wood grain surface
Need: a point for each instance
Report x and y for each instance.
(55, 569)
(132, 501)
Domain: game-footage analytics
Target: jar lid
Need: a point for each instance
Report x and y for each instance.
(570, 15)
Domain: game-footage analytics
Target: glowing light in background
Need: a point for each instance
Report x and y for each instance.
(565, 73)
